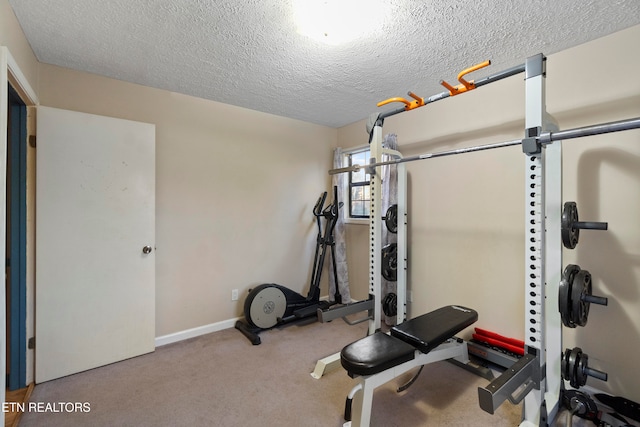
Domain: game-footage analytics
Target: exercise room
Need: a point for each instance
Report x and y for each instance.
(320, 213)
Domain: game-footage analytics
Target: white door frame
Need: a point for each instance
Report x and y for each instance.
(10, 73)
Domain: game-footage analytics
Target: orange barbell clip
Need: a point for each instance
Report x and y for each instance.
(464, 85)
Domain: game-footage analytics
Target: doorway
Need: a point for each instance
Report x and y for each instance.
(16, 231)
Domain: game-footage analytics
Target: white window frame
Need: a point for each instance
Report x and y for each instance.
(346, 216)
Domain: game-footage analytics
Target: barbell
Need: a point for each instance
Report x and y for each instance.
(574, 296)
(542, 139)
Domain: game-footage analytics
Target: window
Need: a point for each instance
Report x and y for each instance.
(359, 191)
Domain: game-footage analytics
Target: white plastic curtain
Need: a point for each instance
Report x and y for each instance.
(389, 197)
(340, 248)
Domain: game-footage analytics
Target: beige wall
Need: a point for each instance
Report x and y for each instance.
(234, 192)
(466, 212)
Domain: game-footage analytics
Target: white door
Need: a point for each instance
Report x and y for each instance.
(95, 214)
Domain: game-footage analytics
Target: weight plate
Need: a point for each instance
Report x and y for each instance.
(390, 305)
(572, 368)
(581, 369)
(570, 234)
(570, 271)
(564, 306)
(390, 262)
(581, 404)
(564, 295)
(579, 290)
(266, 307)
(391, 219)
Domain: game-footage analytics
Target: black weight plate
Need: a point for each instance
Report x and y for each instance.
(390, 305)
(564, 303)
(574, 356)
(390, 262)
(391, 219)
(579, 290)
(564, 295)
(588, 410)
(581, 370)
(570, 234)
(570, 271)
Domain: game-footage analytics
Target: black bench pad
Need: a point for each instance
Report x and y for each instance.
(379, 352)
(428, 331)
(375, 353)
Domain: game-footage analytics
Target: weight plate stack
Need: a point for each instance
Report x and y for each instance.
(575, 298)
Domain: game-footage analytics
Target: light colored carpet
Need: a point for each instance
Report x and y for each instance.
(220, 379)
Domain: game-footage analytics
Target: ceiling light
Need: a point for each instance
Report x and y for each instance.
(338, 21)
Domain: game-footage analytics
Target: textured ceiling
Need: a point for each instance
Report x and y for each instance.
(248, 52)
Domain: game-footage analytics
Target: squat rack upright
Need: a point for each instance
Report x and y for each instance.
(536, 379)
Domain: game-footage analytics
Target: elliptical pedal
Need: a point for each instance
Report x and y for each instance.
(306, 311)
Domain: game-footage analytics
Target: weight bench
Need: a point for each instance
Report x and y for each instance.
(379, 358)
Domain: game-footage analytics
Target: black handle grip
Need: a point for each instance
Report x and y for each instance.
(317, 210)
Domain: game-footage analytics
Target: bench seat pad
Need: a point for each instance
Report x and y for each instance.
(429, 330)
(375, 353)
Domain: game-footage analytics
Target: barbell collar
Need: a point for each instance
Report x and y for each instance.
(545, 138)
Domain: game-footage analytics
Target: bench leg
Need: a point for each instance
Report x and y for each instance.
(361, 405)
(361, 395)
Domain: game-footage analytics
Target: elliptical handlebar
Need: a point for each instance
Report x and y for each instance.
(317, 209)
(331, 211)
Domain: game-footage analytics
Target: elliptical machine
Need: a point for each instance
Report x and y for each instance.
(270, 304)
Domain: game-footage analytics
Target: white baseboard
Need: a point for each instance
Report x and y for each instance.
(201, 330)
(195, 332)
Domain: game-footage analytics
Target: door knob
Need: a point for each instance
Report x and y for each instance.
(147, 250)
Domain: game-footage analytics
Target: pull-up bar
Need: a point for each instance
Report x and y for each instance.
(544, 138)
(464, 86)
